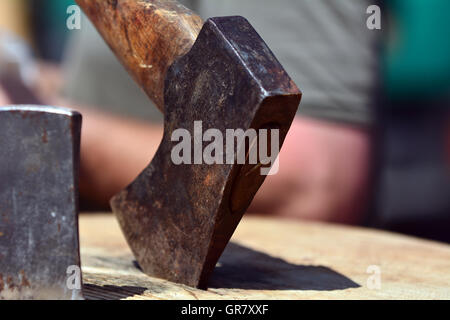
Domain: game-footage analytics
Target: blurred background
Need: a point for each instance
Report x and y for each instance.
(370, 145)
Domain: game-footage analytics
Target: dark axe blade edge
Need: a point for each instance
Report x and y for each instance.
(39, 246)
(178, 219)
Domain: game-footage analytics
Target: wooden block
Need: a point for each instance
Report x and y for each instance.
(277, 259)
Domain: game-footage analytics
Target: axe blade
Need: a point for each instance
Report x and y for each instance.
(39, 157)
(178, 219)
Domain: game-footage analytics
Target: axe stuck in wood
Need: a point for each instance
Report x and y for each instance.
(178, 219)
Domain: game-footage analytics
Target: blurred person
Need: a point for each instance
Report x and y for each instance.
(325, 163)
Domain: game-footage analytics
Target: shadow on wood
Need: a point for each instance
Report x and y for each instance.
(243, 268)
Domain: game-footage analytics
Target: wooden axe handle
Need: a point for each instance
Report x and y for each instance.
(147, 36)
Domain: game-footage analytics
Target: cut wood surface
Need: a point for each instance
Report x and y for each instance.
(269, 258)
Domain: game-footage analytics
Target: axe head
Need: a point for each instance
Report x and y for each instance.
(39, 251)
(178, 219)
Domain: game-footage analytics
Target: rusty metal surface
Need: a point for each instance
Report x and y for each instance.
(38, 201)
(178, 219)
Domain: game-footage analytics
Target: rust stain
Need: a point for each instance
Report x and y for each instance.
(32, 168)
(10, 282)
(45, 136)
(23, 113)
(208, 179)
(157, 204)
(24, 282)
(1, 234)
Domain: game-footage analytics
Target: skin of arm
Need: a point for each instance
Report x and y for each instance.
(324, 174)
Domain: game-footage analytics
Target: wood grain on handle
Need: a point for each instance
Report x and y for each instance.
(146, 36)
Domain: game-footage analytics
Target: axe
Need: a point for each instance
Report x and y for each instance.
(39, 247)
(178, 218)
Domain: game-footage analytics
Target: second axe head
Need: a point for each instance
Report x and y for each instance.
(39, 249)
(178, 218)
